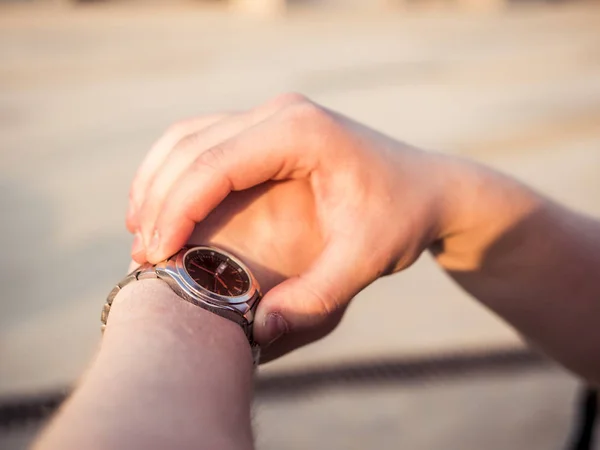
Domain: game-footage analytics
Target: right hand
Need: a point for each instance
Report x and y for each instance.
(377, 203)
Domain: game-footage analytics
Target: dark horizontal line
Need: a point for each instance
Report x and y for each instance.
(24, 410)
(400, 370)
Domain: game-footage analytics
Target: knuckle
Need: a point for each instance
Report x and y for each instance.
(289, 98)
(322, 304)
(184, 144)
(177, 129)
(306, 113)
(213, 158)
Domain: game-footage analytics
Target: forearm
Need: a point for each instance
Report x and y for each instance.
(535, 263)
(168, 375)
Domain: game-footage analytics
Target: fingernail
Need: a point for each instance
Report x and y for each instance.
(138, 244)
(154, 242)
(275, 326)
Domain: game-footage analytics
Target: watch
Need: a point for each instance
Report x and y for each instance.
(207, 277)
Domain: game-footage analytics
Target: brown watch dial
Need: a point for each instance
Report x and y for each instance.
(217, 273)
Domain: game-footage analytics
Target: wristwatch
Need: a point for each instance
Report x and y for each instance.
(207, 277)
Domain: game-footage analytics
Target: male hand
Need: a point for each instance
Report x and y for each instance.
(357, 205)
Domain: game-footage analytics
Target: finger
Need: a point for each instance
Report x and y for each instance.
(297, 339)
(263, 152)
(313, 302)
(155, 158)
(186, 152)
(132, 266)
(192, 149)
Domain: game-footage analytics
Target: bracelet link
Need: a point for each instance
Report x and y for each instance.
(145, 271)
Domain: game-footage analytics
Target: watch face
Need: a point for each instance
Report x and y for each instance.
(216, 272)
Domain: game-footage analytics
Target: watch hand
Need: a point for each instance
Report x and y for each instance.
(200, 267)
(224, 285)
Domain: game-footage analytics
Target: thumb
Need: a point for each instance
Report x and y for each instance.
(313, 299)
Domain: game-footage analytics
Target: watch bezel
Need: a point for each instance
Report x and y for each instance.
(205, 293)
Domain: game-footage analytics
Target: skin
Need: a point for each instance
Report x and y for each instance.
(344, 215)
(319, 207)
(180, 375)
(167, 375)
(369, 206)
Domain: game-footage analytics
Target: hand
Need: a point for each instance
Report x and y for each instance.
(273, 229)
(361, 205)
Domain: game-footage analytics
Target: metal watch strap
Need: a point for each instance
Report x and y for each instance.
(145, 271)
(148, 271)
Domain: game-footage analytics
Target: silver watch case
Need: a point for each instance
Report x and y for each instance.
(238, 309)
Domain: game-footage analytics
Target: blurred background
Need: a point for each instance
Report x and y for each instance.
(86, 87)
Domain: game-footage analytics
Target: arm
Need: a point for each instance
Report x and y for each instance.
(376, 205)
(532, 261)
(168, 375)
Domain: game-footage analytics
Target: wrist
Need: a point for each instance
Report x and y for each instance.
(478, 206)
(168, 374)
(170, 349)
(151, 310)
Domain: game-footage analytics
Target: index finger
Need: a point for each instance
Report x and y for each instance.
(155, 157)
(270, 150)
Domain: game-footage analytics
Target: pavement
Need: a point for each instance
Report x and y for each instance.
(530, 410)
(84, 92)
